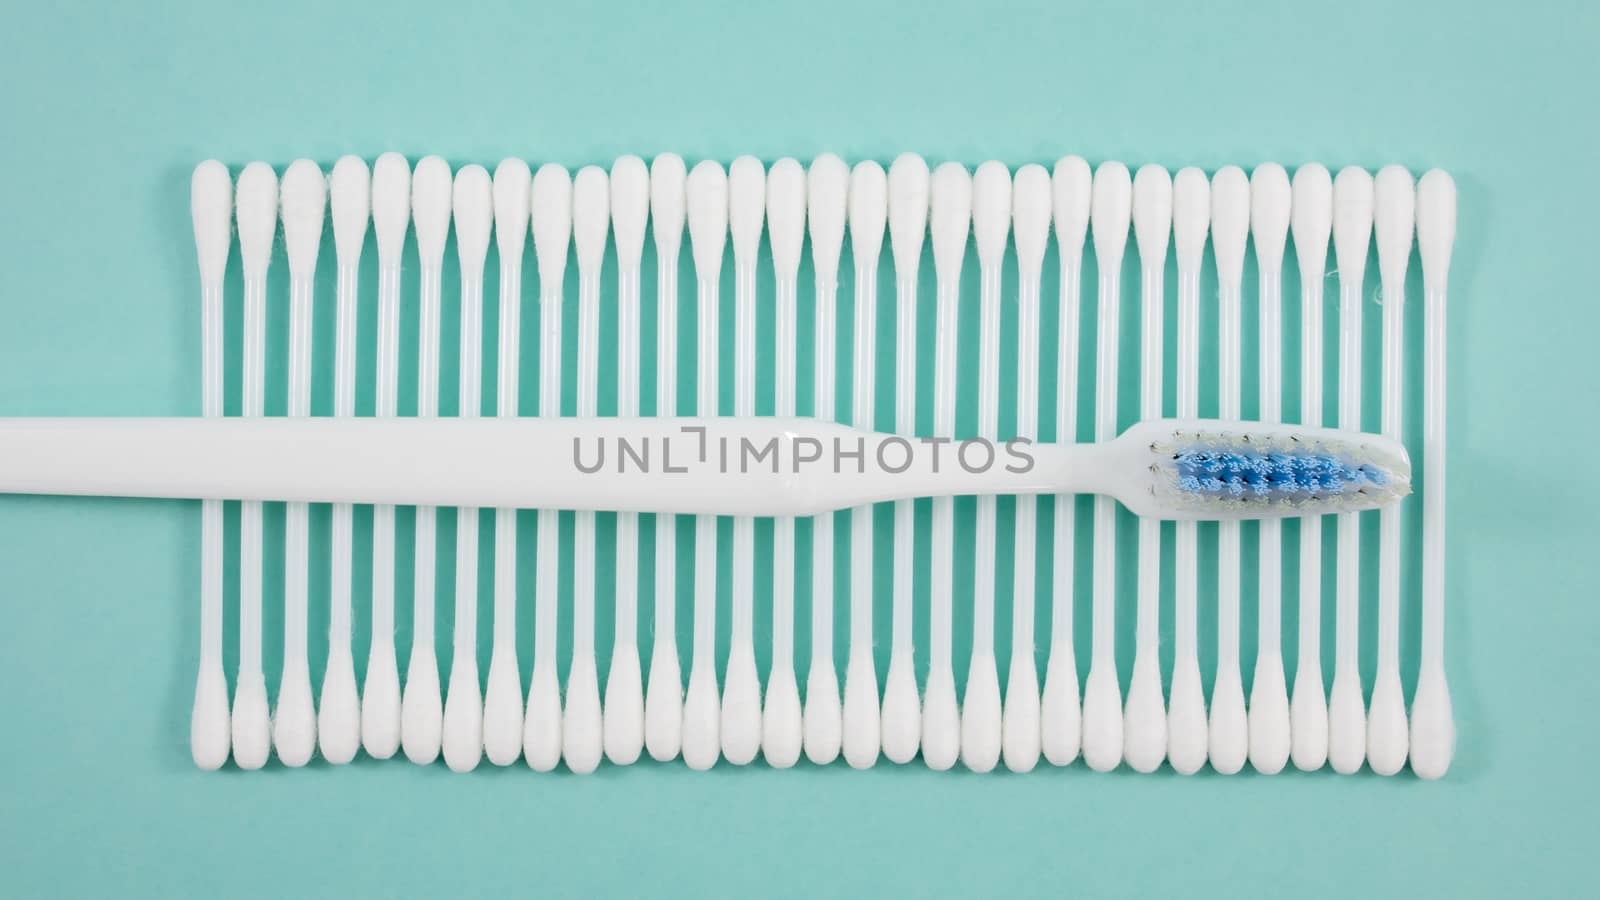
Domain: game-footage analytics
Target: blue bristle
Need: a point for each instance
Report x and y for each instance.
(1277, 474)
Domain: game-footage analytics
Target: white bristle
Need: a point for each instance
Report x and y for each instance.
(630, 208)
(1311, 219)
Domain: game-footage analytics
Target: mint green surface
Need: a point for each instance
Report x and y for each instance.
(107, 108)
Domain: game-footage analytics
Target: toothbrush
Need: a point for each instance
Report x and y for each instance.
(950, 221)
(1144, 723)
(472, 203)
(981, 722)
(1187, 736)
(1102, 698)
(1311, 219)
(827, 189)
(1060, 715)
(624, 699)
(869, 198)
(1162, 468)
(1228, 732)
(901, 719)
(1352, 230)
(550, 212)
(582, 723)
(707, 206)
(257, 211)
(741, 691)
(1433, 730)
(380, 698)
(339, 708)
(781, 718)
(1030, 223)
(502, 702)
(1394, 217)
(421, 711)
(303, 202)
(663, 703)
(1269, 699)
(210, 205)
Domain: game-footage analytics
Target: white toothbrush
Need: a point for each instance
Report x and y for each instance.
(663, 704)
(1187, 736)
(1030, 224)
(1102, 697)
(1269, 698)
(908, 224)
(827, 190)
(781, 718)
(380, 696)
(981, 722)
(1433, 730)
(1060, 712)
(303, 200)
(1311, 219)
(869, 199)
(421, 709)
(472, 205)
(502, 701)
(257, 210)
(1394, 218)
(210, 206)
(1228, 731)
(550, 209)
(624, 698)
(582, 723)
(741, 686)
(950, 215)
(1352, 230)
(339, 707)
(707, 206)
(1144, 722)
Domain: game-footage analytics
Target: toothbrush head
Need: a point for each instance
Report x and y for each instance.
(591, 218)
(210, 205)
(303, 199)
(1215, 470)
(472, 202)
(908, 210)
(430, 208)
(667, 177)
(511, 186)
(391, 205)
(786, 215)
(869, 199)
(350, 193)
(1191, 217)
(630, 208)
(747, 206)
(991, 211)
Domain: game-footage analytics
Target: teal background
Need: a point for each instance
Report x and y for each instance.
(108, 107)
